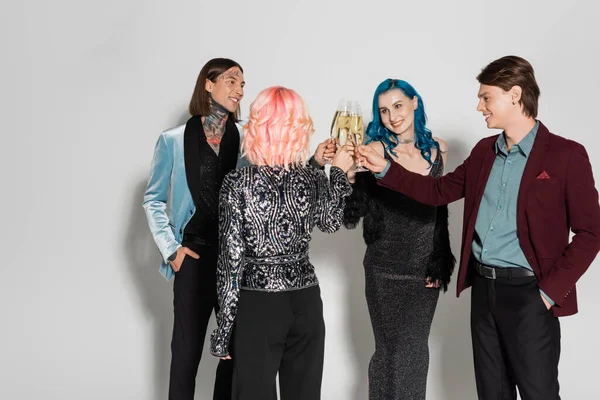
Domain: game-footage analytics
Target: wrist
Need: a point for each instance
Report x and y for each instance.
(315, 163)
(381, 174)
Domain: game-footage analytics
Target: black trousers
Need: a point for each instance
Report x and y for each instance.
(195, 297)
(283, 332)
(516, 340)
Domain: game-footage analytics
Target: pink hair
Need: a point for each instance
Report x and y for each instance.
(278, 130)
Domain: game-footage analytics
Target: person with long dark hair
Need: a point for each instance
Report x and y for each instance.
(181, 204)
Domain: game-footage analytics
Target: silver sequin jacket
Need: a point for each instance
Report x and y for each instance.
(266, 216)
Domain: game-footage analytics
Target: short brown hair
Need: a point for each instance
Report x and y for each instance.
(510, 71)
(200, 103)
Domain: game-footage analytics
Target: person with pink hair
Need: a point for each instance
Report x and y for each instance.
(266, 284)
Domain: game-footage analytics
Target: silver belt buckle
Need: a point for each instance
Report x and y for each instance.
(486, 274)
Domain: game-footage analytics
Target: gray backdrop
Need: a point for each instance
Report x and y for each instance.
(87, 86)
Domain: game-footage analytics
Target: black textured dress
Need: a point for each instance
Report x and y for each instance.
(407, 242)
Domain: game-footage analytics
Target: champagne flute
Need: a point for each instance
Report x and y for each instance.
(340, 123)
(357, 130)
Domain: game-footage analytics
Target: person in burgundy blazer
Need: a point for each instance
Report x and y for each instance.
(525, 190)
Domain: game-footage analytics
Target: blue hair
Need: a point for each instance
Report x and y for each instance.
(377, 132)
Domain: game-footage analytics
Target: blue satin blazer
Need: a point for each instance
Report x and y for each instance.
(168, 202)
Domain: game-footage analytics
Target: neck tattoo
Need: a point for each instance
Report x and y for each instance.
(214, 124)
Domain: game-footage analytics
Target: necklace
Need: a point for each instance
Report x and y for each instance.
(406, 141)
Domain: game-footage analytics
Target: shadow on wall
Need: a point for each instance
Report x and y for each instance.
(154, 293)
(155, 296)
(346, 251)
(451, 374)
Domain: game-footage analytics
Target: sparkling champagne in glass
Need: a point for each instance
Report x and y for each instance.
(356, 130)
(341, 122)
(342, 111)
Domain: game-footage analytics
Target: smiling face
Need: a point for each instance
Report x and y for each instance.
(497, 106)
(228, 89)
(397, 112)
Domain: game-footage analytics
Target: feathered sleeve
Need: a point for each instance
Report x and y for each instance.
(356, 203)
(360, 204)
(442, 261)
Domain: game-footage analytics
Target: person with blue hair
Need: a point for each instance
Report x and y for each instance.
(408, 257)
(525, 191)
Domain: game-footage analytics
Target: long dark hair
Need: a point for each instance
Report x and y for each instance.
(200, 102)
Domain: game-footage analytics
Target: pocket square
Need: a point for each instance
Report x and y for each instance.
(543, 175)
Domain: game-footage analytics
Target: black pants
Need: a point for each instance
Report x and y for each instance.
(282, 332)
(516, 340)
(195, 297)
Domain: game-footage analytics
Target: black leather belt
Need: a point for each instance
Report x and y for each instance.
(192, 238)
(490, 272)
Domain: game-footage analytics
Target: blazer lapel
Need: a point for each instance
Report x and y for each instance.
(191, 153)
(532, 168)
(230, 147)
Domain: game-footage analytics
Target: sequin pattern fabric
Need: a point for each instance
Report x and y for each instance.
(266, 216)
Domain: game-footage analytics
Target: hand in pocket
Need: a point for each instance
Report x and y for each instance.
(545, 302)
(181, 253)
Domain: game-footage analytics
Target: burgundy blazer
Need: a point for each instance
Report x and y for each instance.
(557, 195)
